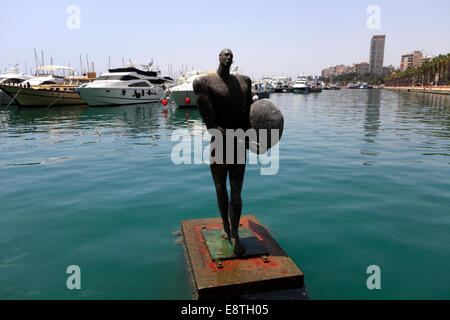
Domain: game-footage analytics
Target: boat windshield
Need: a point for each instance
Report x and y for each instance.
(13, 80)
(117, 77)
(55, 71)
(139, 84)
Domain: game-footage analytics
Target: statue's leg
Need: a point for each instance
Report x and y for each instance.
(237, 172)
(219, 174)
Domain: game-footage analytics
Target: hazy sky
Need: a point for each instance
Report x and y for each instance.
(267, 37)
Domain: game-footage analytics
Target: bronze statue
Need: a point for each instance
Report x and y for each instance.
(224, 102)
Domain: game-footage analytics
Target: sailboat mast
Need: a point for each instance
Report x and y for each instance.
(87, 63)
(81, 64)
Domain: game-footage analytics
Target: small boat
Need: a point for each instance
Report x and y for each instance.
(301, 85)
(260, 91)
(278, 86)
(365, 86)
(124, 86)
(353, 86)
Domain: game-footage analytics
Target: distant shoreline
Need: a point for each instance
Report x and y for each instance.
(427, 89)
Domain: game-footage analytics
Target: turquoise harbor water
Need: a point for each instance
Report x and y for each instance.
(364, 179)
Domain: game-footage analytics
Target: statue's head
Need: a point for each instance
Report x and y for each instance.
(226, 57)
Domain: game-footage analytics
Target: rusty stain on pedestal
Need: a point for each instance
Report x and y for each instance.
(235, 277)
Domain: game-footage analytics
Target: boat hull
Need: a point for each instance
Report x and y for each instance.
(263, 94)
(301, 90)
(28, 97)
(179, 97)
(315, 89)
(120, 96)
(4, 98)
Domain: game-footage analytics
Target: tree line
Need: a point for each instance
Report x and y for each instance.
(435, 72)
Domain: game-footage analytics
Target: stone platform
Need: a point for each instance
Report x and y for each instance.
(218, 273)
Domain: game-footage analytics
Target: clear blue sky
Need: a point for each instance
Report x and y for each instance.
(267, 37)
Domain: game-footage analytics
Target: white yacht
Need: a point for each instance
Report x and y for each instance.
(49, 75)
(301, 85)
(127, 85)
(183, 93)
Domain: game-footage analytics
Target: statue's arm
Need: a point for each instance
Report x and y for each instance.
(204, 104)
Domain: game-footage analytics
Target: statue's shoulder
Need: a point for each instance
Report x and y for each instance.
(203, 81)
(243, 78)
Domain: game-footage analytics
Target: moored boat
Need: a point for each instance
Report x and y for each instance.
(182, 94)
(301, 85)
(123, 86)
(8, 78)
(47, 95)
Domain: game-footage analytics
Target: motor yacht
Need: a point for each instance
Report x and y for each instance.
(301, 85)
(127, 85)
(182, 94)
(12, 76)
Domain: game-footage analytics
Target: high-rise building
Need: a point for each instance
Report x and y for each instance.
(376, 57)
(412, 59)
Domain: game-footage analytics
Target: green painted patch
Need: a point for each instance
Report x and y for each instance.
(220, 248)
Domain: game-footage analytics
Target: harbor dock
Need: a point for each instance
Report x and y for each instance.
(426, 89)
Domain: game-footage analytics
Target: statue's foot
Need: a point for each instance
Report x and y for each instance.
(225, 235)
(238, 248)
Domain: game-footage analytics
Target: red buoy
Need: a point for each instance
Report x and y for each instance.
(164, 102)
(187, 100)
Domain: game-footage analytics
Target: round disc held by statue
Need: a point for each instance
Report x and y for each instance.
(264, 114)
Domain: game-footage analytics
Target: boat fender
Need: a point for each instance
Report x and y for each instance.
(124, 92)
(149, 92)
(143, 92)
(255, 98)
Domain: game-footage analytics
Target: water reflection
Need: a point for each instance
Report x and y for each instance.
(372, 115)
(431, 111)
(371, 124)
(183, 118)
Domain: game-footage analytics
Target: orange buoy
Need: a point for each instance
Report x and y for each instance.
(164, 102)
(187, 100)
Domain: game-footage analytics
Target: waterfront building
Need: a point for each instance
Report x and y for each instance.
(377, 54)
(340, 69)
(350, 68)
(412, 59)
(362, 68)
(325, 73)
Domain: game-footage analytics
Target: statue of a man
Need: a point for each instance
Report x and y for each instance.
(224, 101)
